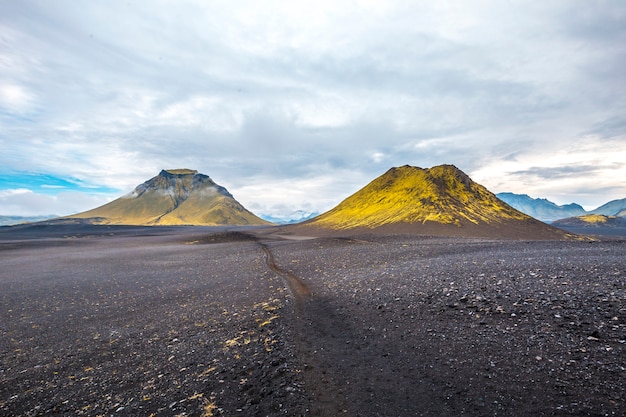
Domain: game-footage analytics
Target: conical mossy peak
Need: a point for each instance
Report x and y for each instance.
(175, 197)
(442, 194)
(439, 199)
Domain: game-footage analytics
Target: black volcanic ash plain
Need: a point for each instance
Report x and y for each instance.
(199, 322)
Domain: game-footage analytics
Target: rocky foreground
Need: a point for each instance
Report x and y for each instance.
(210, 322)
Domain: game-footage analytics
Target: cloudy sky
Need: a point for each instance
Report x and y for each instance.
(296, 105)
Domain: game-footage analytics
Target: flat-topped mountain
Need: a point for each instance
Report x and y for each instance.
(174, 197)
(441, 200)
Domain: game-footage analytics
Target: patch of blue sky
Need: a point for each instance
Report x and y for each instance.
(48, 184)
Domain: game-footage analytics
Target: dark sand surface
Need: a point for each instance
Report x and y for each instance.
(207, 321)
(597, 231)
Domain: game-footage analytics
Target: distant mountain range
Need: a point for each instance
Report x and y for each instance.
(547, 211)
(174, 197)
(291, 218)
(612, 208)
(12, 220)
(540, 208)
(441, 200)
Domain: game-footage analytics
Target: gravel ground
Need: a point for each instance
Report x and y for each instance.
(443, 326)
(205, 322)
(143, 325)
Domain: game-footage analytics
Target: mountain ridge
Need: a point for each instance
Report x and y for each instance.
(297, 216)
(612, 208)
(540, 208)
(545, 210)
(15, 220)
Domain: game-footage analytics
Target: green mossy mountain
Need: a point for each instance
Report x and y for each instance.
(441, 200)
(592, 221)
(174, 197)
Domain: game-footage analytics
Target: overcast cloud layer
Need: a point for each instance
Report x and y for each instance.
(296, 105)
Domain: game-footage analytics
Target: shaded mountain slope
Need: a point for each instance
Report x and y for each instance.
(438, 201)
(175, 197)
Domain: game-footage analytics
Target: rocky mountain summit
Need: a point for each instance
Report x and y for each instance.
(175, 197)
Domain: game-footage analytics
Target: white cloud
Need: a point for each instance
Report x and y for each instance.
(24, 202)
(265, 95)
(15, 98)
(14, 192)
(582, 172)
(318, 192)
(378, 157)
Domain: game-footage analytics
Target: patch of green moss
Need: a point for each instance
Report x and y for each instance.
(594, 218)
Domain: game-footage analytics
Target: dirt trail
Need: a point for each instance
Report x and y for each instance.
(313, 321)
(298, 288)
